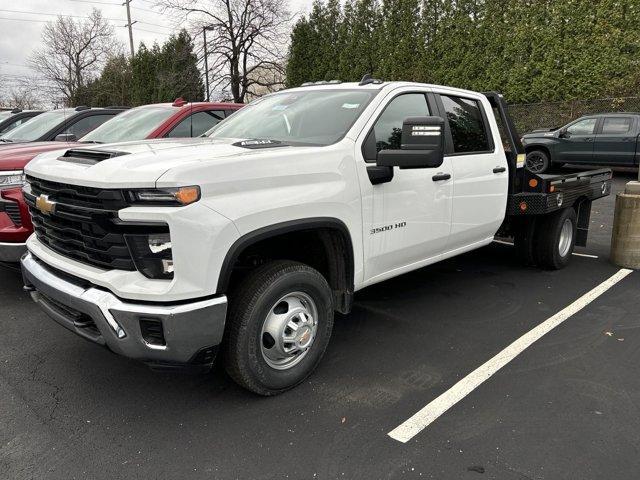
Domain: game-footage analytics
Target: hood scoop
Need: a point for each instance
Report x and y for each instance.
(87, 156)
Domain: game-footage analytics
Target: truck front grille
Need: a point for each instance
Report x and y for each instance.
(12, 209)
(84, 223)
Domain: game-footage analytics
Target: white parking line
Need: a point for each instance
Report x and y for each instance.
(587, 255)
(422, 419)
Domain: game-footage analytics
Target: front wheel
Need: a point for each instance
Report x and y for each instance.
(555, 239)
(537, 161)
(279, 325)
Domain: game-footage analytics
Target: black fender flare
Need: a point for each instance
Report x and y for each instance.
(276, 229)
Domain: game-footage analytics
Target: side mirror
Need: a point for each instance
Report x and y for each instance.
(66, 137)
(421, 145)
(563, 133)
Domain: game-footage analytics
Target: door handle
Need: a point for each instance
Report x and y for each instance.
(499, 169)
(588, 139)
(438, 177)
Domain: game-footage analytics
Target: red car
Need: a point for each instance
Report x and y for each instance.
(163, 120)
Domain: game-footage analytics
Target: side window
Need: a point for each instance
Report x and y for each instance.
(388, 127)
(583, 127)
(616, 125)
(466, 123)
(86, 124)
(200, 122)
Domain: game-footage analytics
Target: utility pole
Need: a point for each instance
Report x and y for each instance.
(206, 61)
(129, 24)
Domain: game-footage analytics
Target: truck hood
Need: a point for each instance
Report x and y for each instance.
(541, 133)
(136, 164)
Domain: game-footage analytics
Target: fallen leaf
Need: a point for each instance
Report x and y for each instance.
(610, 334)
(344, 419)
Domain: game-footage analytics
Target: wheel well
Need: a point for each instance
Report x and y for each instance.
(544, 149)
(325, 247)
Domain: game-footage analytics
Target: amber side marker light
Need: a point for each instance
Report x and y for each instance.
(533, 183)
(187, 195)
(523, 206)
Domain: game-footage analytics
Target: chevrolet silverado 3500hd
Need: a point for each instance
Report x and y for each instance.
(246, 242)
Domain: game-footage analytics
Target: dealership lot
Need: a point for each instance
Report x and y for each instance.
(565, 408)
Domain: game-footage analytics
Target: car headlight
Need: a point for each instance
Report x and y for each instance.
(178, 196)
(152, 254)
(14, 178)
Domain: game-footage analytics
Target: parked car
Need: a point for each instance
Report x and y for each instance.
(179, 119)
(258, 234)
(609, 139)
(64, 124)
(10, 119)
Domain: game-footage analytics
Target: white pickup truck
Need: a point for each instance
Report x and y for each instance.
(245, 242)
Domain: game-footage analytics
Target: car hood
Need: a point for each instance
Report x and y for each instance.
(135, 164)
(541, 133)
(16, 156)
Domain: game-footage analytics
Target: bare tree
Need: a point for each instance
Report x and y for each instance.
(74, 52)
(246, 41)
(24, 95)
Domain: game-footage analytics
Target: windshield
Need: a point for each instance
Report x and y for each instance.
(134, 124)
(316, 117)
(37, 126)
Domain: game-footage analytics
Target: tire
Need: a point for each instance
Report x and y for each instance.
(523, 241)
(537, 161)
(555, 239)
(267, 301)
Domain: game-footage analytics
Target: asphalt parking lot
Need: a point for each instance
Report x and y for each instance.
(565, 408)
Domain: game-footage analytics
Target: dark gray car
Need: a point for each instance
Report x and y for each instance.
(609, 139)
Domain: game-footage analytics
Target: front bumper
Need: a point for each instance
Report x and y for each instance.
(190, 335)
(11, 252)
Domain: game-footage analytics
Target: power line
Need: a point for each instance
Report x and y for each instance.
(116, 5)
(80, 16)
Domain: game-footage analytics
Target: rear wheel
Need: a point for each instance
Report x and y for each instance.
(279, 324)
(555, 239)
(538, 161)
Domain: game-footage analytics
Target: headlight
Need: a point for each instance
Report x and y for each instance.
(15, 178)
(167, 196)
(152, 254)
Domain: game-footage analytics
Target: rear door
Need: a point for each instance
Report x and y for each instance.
(615, 142)
(575, 144)
(480, 170)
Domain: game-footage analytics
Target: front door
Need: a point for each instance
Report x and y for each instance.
(575, 144)
(406, 220)
(615, 141)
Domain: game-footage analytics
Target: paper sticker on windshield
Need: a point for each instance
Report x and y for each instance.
(279, 107)
(350, 105)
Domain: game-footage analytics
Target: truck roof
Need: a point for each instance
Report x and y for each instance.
(337, 85)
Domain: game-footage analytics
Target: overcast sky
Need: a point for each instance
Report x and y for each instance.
(21, 24)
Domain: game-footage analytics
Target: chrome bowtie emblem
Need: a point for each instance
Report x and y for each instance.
(45, 205)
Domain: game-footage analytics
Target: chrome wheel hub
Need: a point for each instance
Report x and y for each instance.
(289, 330)
(566, 238)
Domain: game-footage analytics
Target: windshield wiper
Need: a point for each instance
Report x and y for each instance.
(5, 140)
(91, 141)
